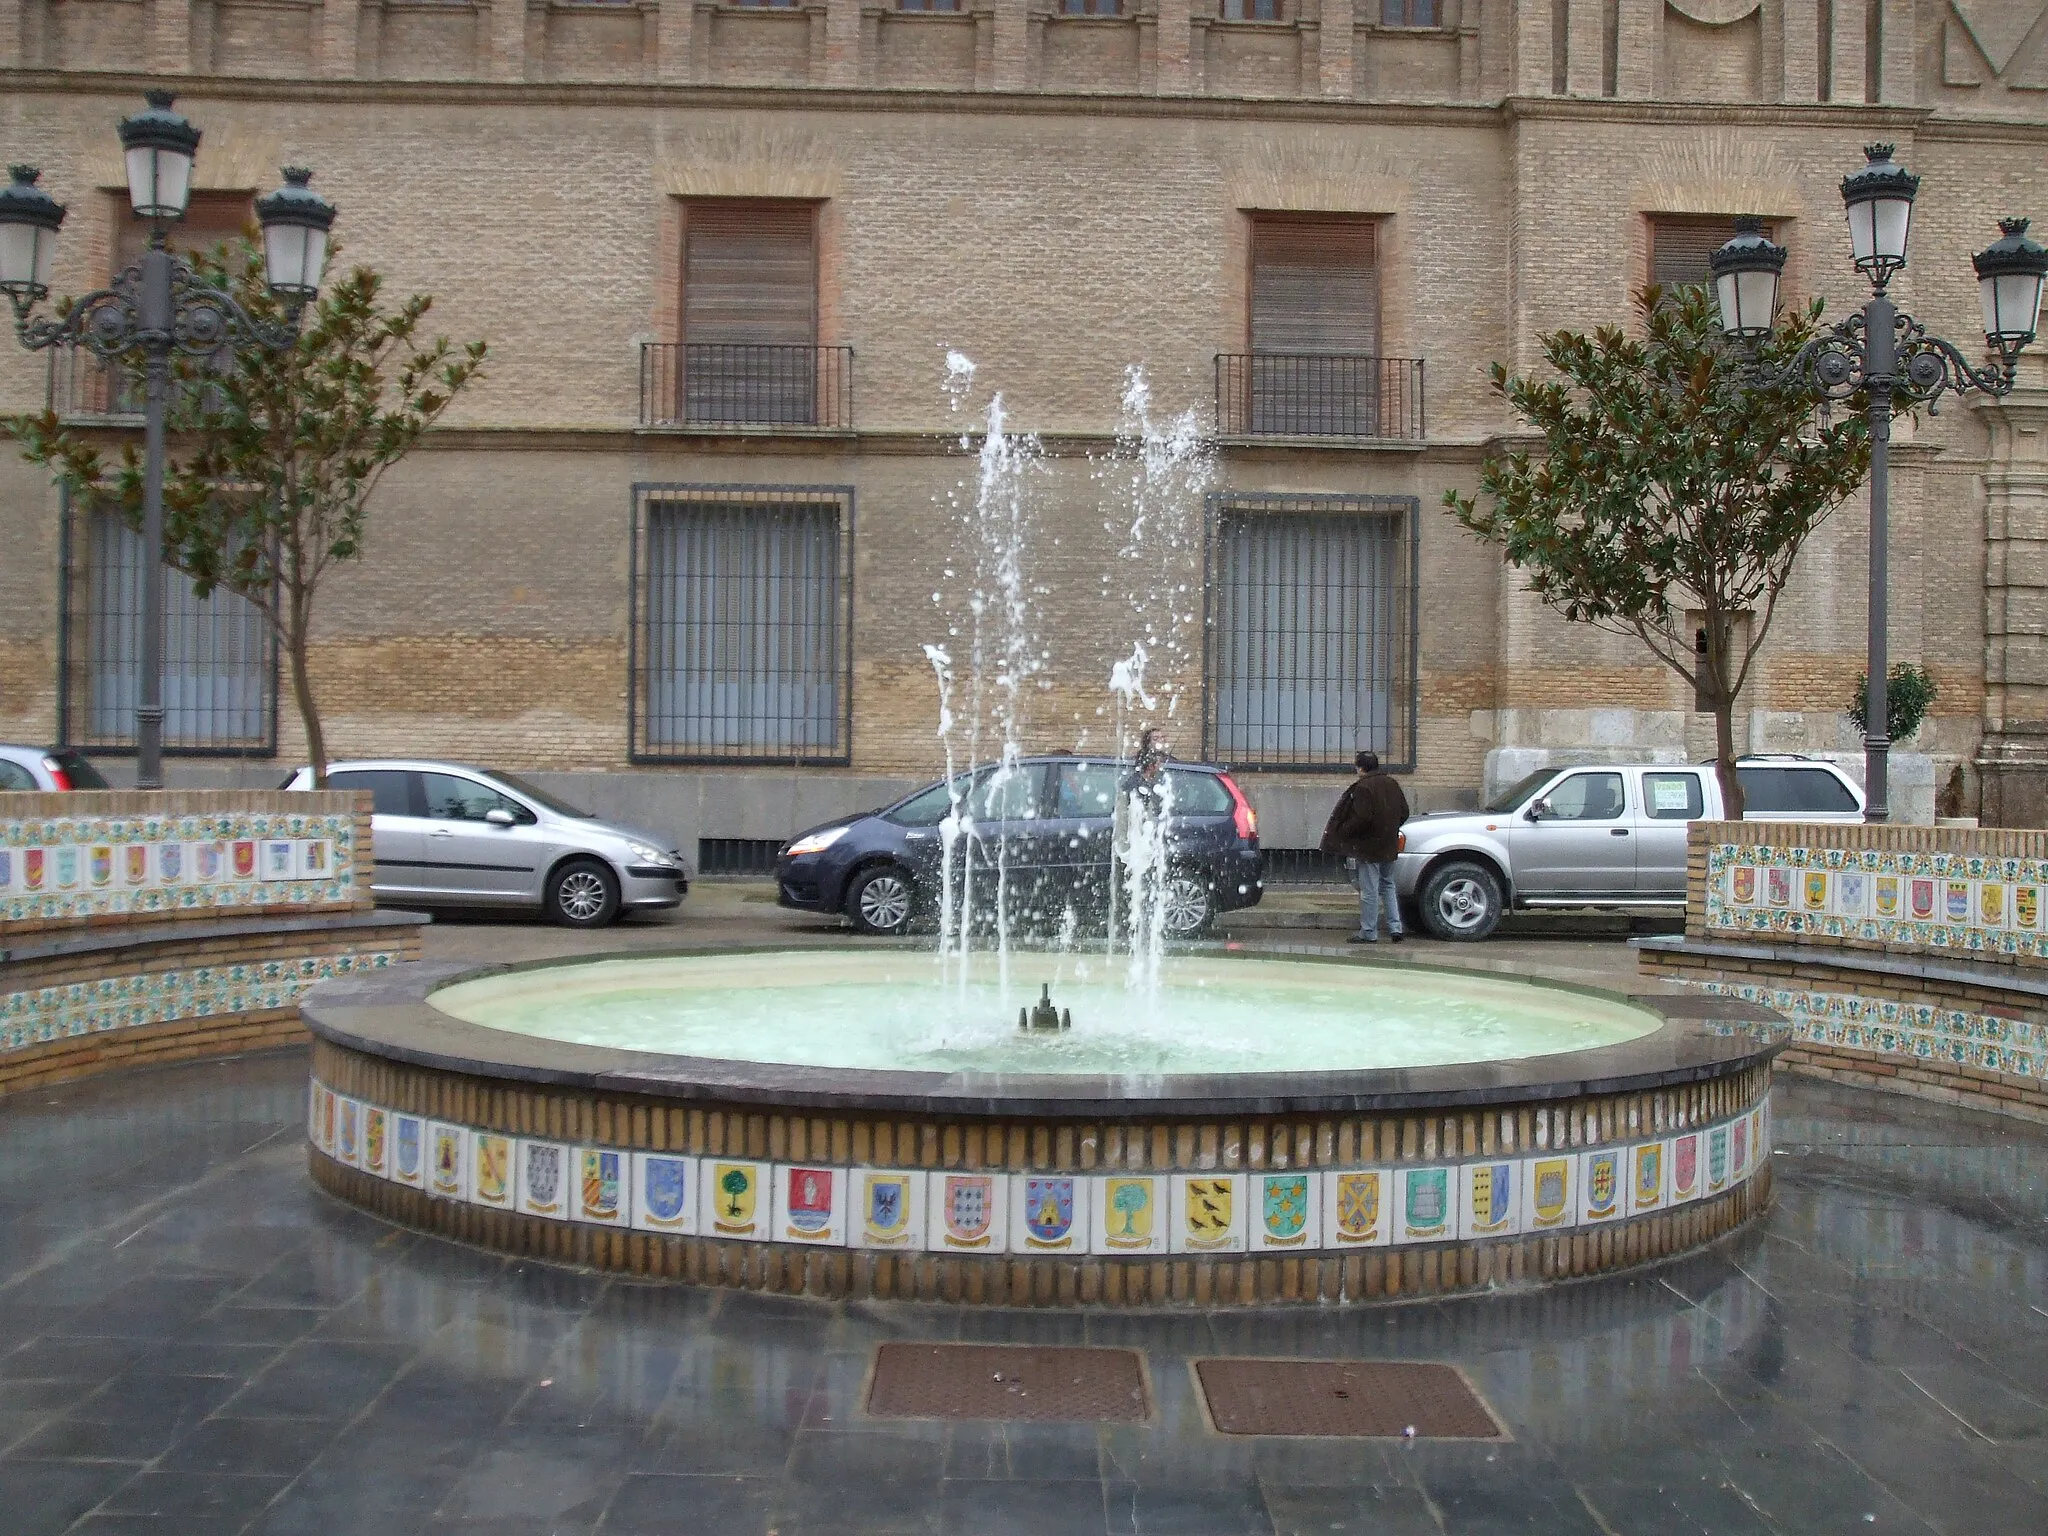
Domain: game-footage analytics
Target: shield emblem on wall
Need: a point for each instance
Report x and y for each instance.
(733, 1195)
(887, 1216)
(1649, 1175)
(134, 864)
(1744, 885)
(1717, 1158)
(667, 1192)
(1553, 1190)
(494, 1169)
(32, 868)
(1493, 1188)
(810, 1201)
(1049, 1211)
(447, 1161)
(1921, 895)
(543, 1176)
(1816, 890)
(409, 1150)
(1850, 890)
(348, 1130)
(1991, 904)
(1887, 889)
(210, 857)
(1429, 1201)
(100, 864)
(374, 1122)
(66, 870)
(1209, 1210)
(1738, 1147)
(1358, 1207)
(244, 856)
(1284, 1207)
(601, 1186)
(2026, 906)
(1778, 885)
(1957, 904)
(970, 1208)
(1685, 1166)
(1603, 1184)
(1127, 1212)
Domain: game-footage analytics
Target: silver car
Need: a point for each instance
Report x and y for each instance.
(447, 834)
(46, 768)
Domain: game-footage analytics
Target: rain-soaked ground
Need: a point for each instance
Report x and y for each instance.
(193, 1340)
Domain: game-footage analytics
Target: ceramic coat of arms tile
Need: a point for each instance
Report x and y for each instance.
(1425, 1204)
(1648, 1176)
(1489, 1199)
(544, 1179)
(1130, 1215)
(1050, 1213)
(736, 1198)
(376, 1141)
(1602, 1191)
(448, 1161)
(666, 1198)
(600, 1186)
(810, 1205)
(971, 1212)
(410, 1150)
(1682, 1160)
(1285, 1210)
(1550, 1193)
(1208, 1213)
(887, 1209)
(493, 1178)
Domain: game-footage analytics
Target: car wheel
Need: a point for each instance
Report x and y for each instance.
(1189, 906)
(1461, 901)
(583, 893)
(880, 900)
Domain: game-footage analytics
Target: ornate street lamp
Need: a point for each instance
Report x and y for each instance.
(159, 307)
(1882, 354)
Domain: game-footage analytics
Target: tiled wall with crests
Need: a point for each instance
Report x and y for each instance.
(983, 1211)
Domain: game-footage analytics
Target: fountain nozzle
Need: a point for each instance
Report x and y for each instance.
(1045, 1016)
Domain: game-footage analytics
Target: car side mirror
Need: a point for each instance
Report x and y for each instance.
(1538, 809)
(498, 816)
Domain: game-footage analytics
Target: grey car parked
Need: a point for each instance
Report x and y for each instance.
(449, 834)
(1594, 835)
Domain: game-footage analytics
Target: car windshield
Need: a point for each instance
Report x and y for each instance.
(1512, 798)
(928, 807)
(540, 797)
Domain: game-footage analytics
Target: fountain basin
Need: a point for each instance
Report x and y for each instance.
(1473, 1132)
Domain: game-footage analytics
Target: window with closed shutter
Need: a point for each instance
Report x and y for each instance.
(211, 219)
(1682, 248)
(750, 314)
(1315, 327)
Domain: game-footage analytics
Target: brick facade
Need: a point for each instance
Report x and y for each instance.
(1059, 198)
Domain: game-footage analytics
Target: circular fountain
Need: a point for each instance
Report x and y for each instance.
(874, 1123)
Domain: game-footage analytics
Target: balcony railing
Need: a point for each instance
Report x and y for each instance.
(714, 384)
(1304, 394)
(84, 384)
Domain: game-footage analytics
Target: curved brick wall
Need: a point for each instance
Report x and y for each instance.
(585, 1177)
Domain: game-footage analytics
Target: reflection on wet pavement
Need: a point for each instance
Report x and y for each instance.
(193, 1340)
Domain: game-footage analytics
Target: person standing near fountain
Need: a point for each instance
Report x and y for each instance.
(1365, 828)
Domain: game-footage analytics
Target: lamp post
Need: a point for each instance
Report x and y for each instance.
(159, 307)
(1884, 355)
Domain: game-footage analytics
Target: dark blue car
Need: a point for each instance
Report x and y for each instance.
(1050, 824)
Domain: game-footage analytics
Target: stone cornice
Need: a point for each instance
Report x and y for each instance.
(1902, 121)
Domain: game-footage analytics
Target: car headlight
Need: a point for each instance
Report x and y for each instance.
(817, 842)
(647, 855)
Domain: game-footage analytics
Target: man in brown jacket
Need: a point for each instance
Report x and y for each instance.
(1366, 827)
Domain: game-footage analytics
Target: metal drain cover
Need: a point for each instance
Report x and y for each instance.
(1007, 1381)
(1343, 1397)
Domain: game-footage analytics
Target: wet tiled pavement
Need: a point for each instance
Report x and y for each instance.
(194, 1341)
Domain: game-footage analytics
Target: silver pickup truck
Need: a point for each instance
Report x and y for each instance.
(1594, 835)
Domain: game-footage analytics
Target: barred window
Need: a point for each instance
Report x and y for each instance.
(219, 662)
(1409, 13)
(741, 640)
(1312, 634)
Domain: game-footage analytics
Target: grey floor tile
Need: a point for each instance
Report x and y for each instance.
(197, 1495)
(665, 1504)
(1303, 1509)
(1009, 1507)
(43, 1498)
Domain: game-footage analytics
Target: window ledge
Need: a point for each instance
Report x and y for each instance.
(1351, 444)
(681, 429)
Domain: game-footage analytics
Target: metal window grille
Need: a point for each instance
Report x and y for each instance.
(742, 630)
(730, 384)
(1311, 630)
(219, 658)
(1301, 394)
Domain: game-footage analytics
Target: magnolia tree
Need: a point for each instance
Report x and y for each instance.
(1672, 492)
(278, 453)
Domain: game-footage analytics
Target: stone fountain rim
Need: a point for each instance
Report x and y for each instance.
(388, 1013)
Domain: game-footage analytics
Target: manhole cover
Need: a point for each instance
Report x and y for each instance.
(1007, 1381)
(1394, 1398)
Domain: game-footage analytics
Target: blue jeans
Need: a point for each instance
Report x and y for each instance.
(1376, 886)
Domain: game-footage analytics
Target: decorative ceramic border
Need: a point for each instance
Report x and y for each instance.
(1966, 902)
(1134, 1214)
(45, 1014)
(1910, 1031)
(73, 867)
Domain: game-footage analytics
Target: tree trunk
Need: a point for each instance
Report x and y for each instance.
(309, 712)
(1724, 759)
